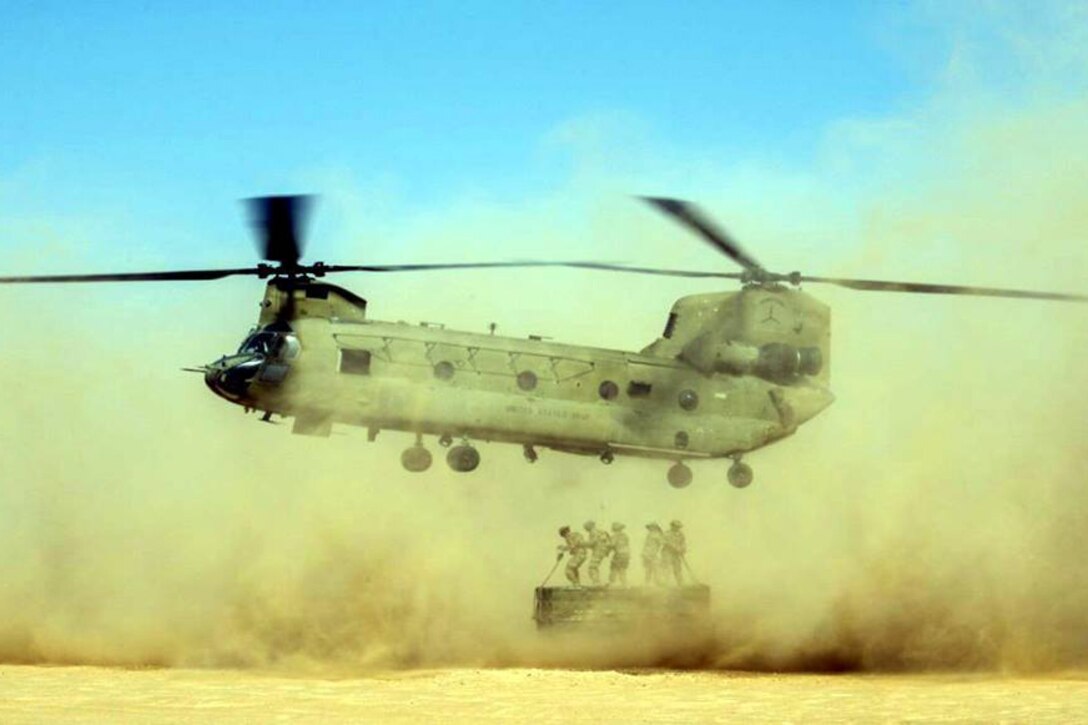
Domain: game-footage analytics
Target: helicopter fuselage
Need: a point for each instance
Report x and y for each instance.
(733, 372)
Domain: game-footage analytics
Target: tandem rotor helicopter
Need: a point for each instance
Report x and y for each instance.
(731, 372)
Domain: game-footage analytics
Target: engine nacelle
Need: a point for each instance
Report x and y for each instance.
(775, 361)
(778, 361)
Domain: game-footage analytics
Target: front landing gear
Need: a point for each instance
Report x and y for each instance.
(417, 458)
(463, 458)
(740, 474)
(679, 475)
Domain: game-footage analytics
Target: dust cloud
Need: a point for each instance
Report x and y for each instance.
(936, 517)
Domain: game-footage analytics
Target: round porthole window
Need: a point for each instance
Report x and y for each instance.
(443, 370)
(688, 399)
(526, 380)
(681, 439)
(608, 390)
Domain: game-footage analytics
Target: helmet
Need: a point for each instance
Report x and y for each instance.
(590, 525)
(564, 530)
(676, 524)
(617, 526)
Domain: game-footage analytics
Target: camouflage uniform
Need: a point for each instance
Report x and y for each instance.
(672, 554)
(651, 549)
(621, 556)
(599, 544)
(575, 546)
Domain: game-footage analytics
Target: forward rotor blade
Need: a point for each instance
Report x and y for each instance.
(178, 276)
(279, 222)
(430, 267)
(690, 216)
(424, 267)
(869, 285)
(491, 265)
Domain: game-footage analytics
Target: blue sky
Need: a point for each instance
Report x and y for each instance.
(222, 99)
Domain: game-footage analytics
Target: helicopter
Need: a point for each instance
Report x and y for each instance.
(731, 372)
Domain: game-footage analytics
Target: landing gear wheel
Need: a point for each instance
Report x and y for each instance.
(679, 475)
(445, 440)
(607, 458)
(529, 452)
(463, 458)
(416, 459)
(740, 475)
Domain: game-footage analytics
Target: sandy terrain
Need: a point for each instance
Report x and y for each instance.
(94, 694)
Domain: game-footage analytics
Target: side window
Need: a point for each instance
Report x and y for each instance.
(636, 389)
(355, 362)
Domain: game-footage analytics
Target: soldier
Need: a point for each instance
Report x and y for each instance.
(575, 546)
(672, 554)
(651, 549)
(599, 543)
(621, 556)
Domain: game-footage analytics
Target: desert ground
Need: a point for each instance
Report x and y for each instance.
(43, 694)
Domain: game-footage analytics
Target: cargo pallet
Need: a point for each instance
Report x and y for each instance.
(607, 606)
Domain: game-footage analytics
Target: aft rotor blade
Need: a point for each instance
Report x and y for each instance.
(690, 216)
(177, 276)
(279, 222)
(655, 270)
(869, 285)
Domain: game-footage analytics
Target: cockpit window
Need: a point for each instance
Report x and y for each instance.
(261, 343)
(271, 345)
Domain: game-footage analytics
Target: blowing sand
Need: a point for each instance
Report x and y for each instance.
(95, 694)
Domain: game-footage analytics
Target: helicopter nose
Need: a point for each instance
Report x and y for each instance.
(230, 376)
